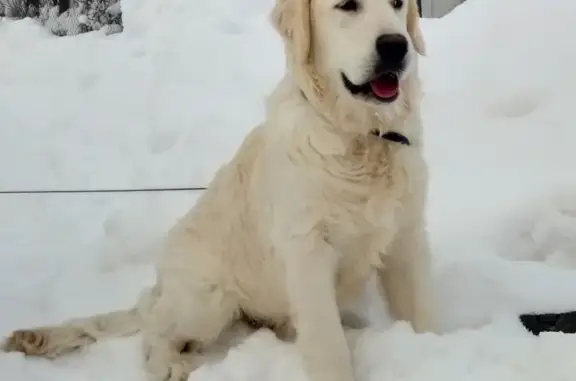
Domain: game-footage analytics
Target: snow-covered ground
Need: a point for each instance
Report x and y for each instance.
(141, 109)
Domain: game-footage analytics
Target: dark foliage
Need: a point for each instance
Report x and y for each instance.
(68, 17)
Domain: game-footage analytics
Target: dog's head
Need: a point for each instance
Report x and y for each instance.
(365, 49)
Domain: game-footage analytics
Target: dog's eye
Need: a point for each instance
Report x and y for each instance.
(348, 6)
(397, 4)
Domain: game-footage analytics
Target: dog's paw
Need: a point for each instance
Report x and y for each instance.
(174, 372)
(30, 342)
(178, 372)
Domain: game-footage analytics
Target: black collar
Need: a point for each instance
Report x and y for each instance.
(392, 136)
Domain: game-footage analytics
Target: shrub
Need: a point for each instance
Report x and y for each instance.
(82, 16)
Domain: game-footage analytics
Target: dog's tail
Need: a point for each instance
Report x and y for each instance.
(54, 341)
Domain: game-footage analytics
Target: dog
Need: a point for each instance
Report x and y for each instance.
(328, 191)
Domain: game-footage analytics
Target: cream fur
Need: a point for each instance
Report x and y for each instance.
(293, 226)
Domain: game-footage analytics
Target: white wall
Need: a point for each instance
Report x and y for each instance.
(438, 8)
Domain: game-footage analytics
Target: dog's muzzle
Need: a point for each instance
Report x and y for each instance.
(383, 85)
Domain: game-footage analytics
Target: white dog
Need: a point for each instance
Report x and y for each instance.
(327, 191)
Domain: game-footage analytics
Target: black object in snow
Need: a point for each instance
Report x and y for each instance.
(553, 322)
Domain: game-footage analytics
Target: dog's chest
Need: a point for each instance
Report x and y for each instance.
(368, 158)
(366, 208)
(365, 187)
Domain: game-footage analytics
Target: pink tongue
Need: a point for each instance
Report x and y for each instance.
(384, 88)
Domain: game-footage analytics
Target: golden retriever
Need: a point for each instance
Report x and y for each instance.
(329, 190)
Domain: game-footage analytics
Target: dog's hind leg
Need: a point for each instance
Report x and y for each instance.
(57, 340)
(187, 317)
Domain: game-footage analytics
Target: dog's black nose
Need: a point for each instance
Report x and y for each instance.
(392, 48)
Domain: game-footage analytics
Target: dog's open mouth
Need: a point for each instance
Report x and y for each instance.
(383, 88)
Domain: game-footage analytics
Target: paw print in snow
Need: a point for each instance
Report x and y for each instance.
(516, 105)
(160, 142)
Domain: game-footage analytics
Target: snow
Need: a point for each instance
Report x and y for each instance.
(142, 108)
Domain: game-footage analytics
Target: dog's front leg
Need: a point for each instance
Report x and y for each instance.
(311, 265)
(406, 279)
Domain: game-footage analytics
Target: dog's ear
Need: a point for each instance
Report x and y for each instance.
(413, 24)
(291, 18)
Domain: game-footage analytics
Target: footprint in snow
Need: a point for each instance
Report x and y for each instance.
(160, 142)
(232, 27)
(516, 105)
